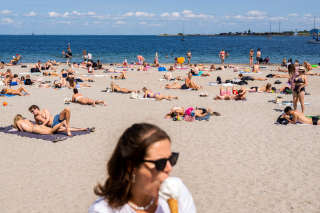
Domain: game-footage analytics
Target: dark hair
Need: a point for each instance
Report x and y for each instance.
(287, 109)
(128, 154)
(15, 75)
(33, 107)
(75, 91)
(291, 69)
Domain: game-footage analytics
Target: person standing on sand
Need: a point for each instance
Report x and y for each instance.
(189, 55)
(258, 56)
(222, 56)
(251, 53)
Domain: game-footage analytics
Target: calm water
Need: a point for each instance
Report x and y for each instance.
(115, 48)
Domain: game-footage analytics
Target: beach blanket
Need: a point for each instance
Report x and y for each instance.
(199, 74)
(7, 95)
(53, 138)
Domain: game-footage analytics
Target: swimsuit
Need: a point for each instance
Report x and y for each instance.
(56, 120)
(298, 81)
(13, 83)
(64, 75)
(184, 86)
(77, 98)
(315, 120)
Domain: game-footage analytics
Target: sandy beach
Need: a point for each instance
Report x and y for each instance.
(238, 162)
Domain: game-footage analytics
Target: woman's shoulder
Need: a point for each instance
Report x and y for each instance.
(102, 206)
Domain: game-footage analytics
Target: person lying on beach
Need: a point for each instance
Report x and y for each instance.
(21, 91)
(256, 68)
(250, 78)
(236, 94)
(116, 88)
(197, 73)
(168, 76)
(123, 76)
(294, 116)
(157, 96)
(267, 88)
(79, 98)
(178, 112)
(73, 83)
(188, 84)
(43, 117)
(277, 76)
(25, 125)
(212, 68)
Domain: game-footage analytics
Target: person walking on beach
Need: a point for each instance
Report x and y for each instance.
(251, 53)
(189, 55)
(68, 54)
(222, 56)
(139, 176)
(258, 55)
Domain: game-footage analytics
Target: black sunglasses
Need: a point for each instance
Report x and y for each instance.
(161, 163)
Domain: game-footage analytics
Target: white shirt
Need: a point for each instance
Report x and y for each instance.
(89, 56)
(185, 203)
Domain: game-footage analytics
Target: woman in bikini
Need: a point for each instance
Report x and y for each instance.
(188, 84)
(251, 53)
(25, 125)
(300, 82)
(79, 98)
(117, 88)
(21, 91)
(157, 96)
(267, 88)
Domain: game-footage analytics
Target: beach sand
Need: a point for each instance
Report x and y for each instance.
(238, 162)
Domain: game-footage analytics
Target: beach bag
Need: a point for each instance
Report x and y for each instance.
(282, 120)
(162, 69)
(189, 118)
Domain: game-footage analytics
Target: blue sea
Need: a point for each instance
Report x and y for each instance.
(112, 49)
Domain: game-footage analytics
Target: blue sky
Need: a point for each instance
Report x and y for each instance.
(154, 17)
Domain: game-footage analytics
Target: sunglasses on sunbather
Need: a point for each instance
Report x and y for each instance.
(161, 163)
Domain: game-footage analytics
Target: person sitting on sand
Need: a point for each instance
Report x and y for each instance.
(267, 88)
(21, 91)
(79, 98)
(225, 94)
(116, 88)
(25, 125)
(15, 60)
(188, 84)
(15, 81)
(294, 116)
(250, 78)
(157, 96)
(123, 76)
(44, 118)
(28, 80)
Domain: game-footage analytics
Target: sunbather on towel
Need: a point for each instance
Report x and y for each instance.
(79, 98)
(188, 84)
(149, 94)
(294, 116)
(25, 125)
(267, 88)
(117, 88)
(122, 76)
(44, 118)
(236, 95)
(21, 91)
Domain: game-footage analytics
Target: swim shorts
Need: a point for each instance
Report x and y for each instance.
(56, 120)
(315, 120)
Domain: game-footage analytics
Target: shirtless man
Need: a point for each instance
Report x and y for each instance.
(25, 125)
(44, 118)
(293, 116)
(188, 83)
